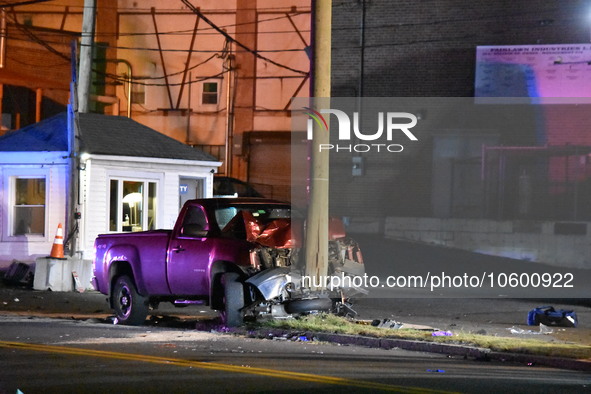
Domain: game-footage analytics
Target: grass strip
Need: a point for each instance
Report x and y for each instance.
(334, 324)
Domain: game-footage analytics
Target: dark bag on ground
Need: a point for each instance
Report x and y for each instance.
(19, 274)
(549, 316)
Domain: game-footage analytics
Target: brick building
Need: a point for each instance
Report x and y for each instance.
(428, 49)
(510, 179)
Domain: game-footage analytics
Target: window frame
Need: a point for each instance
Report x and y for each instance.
(208, 94)
(145, 202)
(9, 180)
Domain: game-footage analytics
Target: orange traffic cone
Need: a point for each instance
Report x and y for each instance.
(57, 250)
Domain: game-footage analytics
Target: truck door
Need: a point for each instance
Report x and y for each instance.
(188, 254)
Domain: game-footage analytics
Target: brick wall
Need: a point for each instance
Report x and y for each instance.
(427, 48)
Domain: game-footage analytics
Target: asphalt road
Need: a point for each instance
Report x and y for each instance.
(41, 355)
(440, 272)
(492, 311)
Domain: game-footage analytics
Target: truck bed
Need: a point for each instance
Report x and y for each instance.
(149, 247)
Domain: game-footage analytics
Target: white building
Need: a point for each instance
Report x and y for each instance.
(123, 176)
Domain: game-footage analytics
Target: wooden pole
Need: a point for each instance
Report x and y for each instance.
(85, 68)
(317, 221)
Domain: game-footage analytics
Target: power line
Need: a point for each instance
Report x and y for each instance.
(232, 39)
(118, 78)
(38, 40)
(257, 22)
(104, 45)
(181, 72)
(17, 59)
(282, 9)
(201, 32)
(4, 4)
(209, 51)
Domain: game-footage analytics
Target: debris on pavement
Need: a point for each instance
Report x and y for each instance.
(77, 283)
(442, 334)
(544, 330)
(386, 323)
(549, 316)
(436, 370)
(394, 325)
(19, 274)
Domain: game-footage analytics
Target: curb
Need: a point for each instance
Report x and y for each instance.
(479, 354)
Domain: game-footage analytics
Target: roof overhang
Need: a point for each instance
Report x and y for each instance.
(33, 158)
(153, 160)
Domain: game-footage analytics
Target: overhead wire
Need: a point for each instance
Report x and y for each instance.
(383, 26)
(227, 26)
(238, 43)
(39, 41)
(134, 48)
(205, 51)
(46, 43)
(299, 11)
(115, 77)
(4, 4)
(118, 78)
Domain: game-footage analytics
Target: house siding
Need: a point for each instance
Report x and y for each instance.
(55, 169)
(96, 178)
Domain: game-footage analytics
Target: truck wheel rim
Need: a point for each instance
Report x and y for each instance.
(125, 300)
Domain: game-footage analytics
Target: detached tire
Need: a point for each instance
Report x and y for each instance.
(309, 305)
(130, 307)
(233, 300)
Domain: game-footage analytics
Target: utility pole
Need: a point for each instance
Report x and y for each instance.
(317, 221)
(85, 67)
(83, 94)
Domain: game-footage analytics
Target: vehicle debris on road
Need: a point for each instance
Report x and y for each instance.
(19, 273)
(549, 316)
(442, 334)
(544, 330)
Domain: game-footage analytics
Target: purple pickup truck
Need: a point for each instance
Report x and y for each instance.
(238, 255)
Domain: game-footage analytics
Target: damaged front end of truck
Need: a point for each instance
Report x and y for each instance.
(281, 288)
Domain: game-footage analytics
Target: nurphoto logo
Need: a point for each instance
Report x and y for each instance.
(389, 123)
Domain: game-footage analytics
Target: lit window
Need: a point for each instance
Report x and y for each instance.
(210, 93)
(29, 206)
(132, 205)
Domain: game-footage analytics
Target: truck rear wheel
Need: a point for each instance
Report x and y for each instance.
(131, 308)
(232, 315)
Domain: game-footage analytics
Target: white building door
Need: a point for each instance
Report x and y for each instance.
(190, 188)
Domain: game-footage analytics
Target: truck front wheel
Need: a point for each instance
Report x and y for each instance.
(130, 307)
(232, 314)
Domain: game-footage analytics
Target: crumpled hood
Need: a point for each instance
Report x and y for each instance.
(278, 233)
(284, 233)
